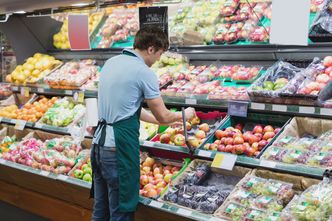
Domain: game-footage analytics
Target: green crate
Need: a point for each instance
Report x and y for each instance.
(264, 119)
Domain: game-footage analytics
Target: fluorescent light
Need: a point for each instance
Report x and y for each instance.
(20, 12)
(80, 4)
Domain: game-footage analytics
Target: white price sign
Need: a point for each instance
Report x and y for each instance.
(20, 124)
(267, 163)
(156, 204)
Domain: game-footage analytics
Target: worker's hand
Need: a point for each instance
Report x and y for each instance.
(91, 130)
(190, 113)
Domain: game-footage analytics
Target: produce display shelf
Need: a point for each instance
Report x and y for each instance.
(177, 210)
(44, 89)
(161, 146)
(15, 121)
(254, 162)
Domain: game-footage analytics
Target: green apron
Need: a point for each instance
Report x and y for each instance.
(126, 136)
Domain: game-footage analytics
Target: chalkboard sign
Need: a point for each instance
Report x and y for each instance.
(157, 16)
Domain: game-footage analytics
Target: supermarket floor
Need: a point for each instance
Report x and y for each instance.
(12, 213)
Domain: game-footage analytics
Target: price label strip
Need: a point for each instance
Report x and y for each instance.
(40, 90)
(156, 204)
(20, 124)
(224, 161)
(191, 101)
(267, 163)
(44, 173)
(62, 177)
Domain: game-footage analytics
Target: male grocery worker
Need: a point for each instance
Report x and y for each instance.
(125, 82)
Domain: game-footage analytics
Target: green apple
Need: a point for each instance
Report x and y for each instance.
(87, 170)
(78, 174)
(84, 166)
(87, 177)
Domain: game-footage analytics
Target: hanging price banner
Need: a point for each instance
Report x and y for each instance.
(78, 32)
(156, 16)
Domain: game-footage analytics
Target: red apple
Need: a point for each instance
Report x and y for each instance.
(247, 135)
(268, 128)
(238, 140)
(157, 171)
(207, 146)
(204, 127)
(250, 151)
(268, 135)
(239, 127)
(255, 145)
(327, 61)
(219, 134)
(218, 142)
(200, 134)
(221, 148)
(229, 141)
(262, 144)
(223, 140)
(253, 139)
(213, 147)
(259, 136)
(144, 180)
(175, 169)
(277, 130)
(240, 149)
(229, 148)
(179, 140)
(165, 138)
(258, 129)
(328, 71)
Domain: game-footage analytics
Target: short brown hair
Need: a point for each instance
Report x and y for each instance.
(151, 36)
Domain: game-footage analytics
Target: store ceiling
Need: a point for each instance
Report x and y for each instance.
(10, 6)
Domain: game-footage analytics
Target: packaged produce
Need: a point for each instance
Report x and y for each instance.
(221, 31)
(274, 153)
(82, 169)
(229, 7)
(260, 34)
(233, 33)
(318, 75)
(227, 93)
(72, 75)
(316, 5)
(63, 113)
(247, 28)
(235, 211)
(34, 69)
(313, 204)
(6, 144)
(56, 155)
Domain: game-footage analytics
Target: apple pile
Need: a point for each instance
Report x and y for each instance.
(236, 141)
(313, 87)
(84, 172)
(155, 177)
(238, 72)
(174, 135)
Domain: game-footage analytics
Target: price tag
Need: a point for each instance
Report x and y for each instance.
(44, 173)
(204, 153)
(307, 110)
(156, 204)
(62, 177)
(224, 161)
(40, 90)
(38, 125)
(257, 106)
(68, 92)
(183, 212)
(25, 91)
(191, 101)
(326, 111)
(238, 108)
(281, 108)
(215, 219)
(20, 124)
(267, 163)
(14, 88)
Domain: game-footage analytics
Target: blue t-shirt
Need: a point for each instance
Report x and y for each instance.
(125, 81)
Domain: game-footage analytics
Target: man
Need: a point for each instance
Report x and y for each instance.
(125, 82)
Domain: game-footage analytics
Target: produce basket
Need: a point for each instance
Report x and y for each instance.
(202, 188)
(261, 194)
(198, 129)
(304, 141)
(321, 29)
(72, 75)
(277, 79)
(255, 133)
(309, 90)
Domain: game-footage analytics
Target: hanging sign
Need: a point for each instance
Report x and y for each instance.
(78, 32)
(157, 16)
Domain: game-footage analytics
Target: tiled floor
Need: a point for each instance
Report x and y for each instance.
(11, 213)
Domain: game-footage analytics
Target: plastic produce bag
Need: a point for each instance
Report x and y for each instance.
(324, 17)
(229, 7)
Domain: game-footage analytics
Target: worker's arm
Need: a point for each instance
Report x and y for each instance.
(165, 116)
